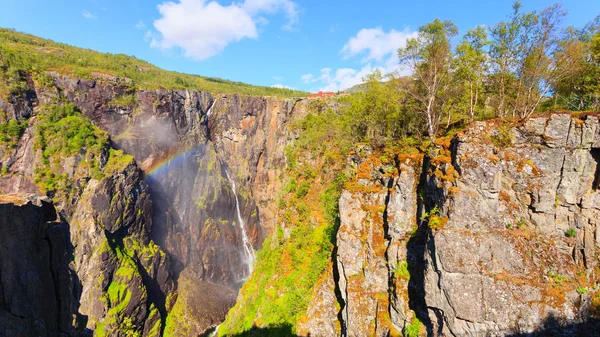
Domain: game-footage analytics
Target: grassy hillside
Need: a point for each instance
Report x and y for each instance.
(20, 51)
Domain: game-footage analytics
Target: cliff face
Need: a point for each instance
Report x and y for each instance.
(37, 285)
(189, 144)
(496, 233)
(493, 232)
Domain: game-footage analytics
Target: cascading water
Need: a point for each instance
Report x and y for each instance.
(248, 250)
(211, 107)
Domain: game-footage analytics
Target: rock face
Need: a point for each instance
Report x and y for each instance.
(496, 233)
(521, 231)
(38, 288)
(185, 142)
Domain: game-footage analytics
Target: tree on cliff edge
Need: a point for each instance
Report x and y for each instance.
(429, 57)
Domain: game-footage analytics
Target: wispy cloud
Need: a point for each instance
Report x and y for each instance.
(87, 14)
(140, 25)
(378, 50)
(202, 29)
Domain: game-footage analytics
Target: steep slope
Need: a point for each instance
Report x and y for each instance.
(188, 143)
(108, 272)
(31, 53)
(36, 284)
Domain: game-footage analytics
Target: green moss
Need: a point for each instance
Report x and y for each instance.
(414, 328)
(401, 270)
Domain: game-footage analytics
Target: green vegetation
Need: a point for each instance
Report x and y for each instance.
(11, 131)
(401, 270)
(582, 290)
(557, 278)
(414, 328)
(61, 132)
(281, 286)
(571, 232)
(123, 100)
(503, 138)
(22, 53)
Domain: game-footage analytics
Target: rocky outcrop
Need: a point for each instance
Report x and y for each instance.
(38, 286)
(520, 235)
(111, 277)
(494, 233)
(185, 142)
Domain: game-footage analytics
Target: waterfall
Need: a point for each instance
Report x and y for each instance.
(211, 107)
(248, 250)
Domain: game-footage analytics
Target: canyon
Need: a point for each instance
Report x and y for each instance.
(493, 231)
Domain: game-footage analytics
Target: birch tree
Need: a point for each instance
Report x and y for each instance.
(429, 57)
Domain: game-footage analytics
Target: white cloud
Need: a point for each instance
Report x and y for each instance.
(289, 8)
(203, 29)
(343, 78)
(281, 86)
(376, 43)
(379, 50)
(140, 25)
(86, 14)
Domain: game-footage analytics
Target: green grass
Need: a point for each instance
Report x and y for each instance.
(21, 53)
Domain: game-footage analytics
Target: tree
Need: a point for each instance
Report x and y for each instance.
(471, 67)
(578, 56)
(538, 66)
(378, 113)
(429, 57)
(503, 55)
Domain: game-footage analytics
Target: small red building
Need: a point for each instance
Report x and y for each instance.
(321, 94)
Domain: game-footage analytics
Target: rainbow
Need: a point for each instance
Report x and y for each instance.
(174, 157)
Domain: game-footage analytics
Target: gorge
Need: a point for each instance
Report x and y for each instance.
(131, 211)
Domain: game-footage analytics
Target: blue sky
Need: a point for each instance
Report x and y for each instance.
(307, 45)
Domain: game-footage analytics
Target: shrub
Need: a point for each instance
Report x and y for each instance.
(303, 189)
(503, 137)
(571, 233)
(11, 131)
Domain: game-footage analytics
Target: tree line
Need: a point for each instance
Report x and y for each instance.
(526, 64)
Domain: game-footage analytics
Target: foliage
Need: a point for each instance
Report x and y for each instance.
(11, 131)
(429, 57)
(22, 52)
(571, 232)
(503, 137)
(123, 100)
(380, 112)
(61, 130)
(281, 286)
